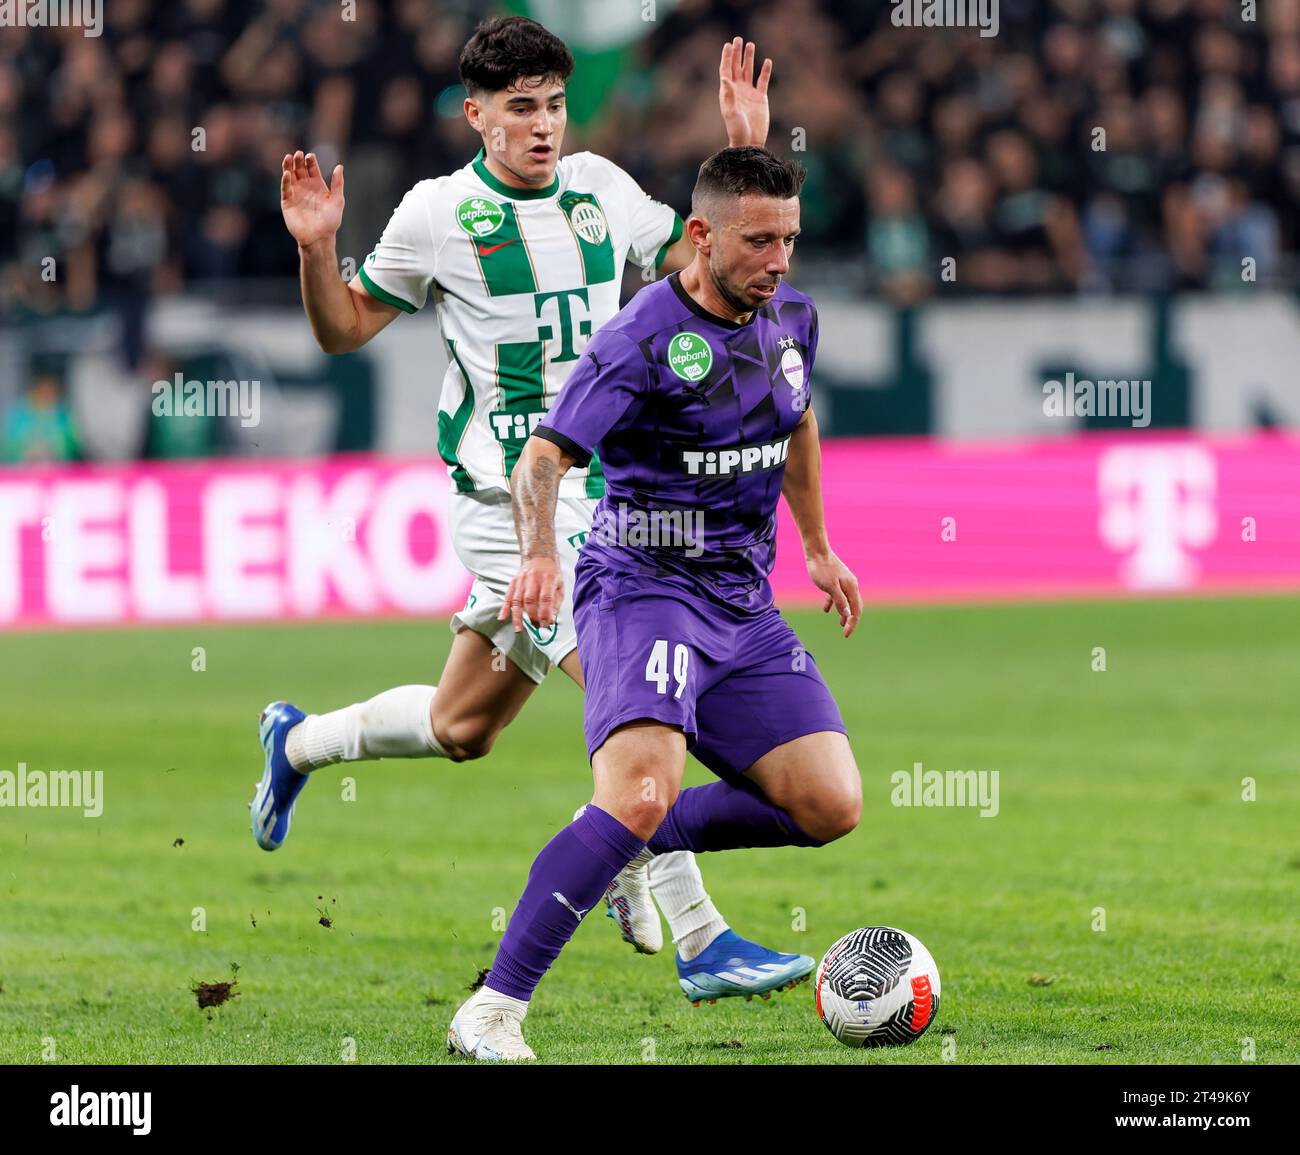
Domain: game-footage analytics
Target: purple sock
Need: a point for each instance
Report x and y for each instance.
(721, 816)
(567, 879)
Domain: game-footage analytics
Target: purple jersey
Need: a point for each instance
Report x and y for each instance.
(691, 416)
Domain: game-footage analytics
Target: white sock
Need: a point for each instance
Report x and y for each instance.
(679, 890)
(486, 997)
(394, 724)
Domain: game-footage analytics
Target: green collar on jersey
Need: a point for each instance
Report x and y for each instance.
(515, 194)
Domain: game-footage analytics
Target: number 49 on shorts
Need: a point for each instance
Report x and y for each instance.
(656, 667)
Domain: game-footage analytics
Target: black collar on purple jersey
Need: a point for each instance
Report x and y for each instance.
(674, 280)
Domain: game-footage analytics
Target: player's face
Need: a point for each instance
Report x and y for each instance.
(750, 249)
(523, 127)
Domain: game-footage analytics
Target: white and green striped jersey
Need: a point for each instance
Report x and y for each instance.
(520, 280)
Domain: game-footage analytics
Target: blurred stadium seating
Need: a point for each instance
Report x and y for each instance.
(143, 162)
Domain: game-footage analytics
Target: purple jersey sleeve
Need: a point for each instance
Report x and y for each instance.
(606, 389)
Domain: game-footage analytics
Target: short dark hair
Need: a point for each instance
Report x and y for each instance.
(505, 48)
(746, 171)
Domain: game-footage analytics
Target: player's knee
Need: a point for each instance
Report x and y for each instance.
(642, 816)
(847, 815)
(830, 815)
(465, 739)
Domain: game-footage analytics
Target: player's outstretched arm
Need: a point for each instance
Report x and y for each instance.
(743, 99)
(538, 588)
(802, 489)
(342, 318)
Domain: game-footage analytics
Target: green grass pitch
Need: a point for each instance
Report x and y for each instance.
(1120, 790)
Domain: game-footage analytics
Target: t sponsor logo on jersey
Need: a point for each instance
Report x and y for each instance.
(589, 223)
(690, 356)
(479, 216)
(791, 363)
(738, 459)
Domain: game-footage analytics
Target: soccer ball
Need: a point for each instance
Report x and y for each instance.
(877, 987)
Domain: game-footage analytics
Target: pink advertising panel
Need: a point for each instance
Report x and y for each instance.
(923, 520)
(916, 520)
(226, 540)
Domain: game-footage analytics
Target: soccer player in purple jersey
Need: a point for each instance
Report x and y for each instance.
(697, 397)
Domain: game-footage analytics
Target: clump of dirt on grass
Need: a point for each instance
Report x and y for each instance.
(212, 995)
(480, 979)
(325, 920)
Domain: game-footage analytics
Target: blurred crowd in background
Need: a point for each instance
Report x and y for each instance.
(1090, 146)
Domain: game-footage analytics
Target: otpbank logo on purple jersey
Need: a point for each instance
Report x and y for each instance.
(690, 356)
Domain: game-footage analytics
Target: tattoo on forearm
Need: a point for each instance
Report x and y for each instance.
(535, 492)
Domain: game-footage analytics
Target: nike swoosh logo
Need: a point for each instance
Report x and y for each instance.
(482, 252)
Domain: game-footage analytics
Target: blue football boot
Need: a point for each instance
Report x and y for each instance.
(731, 966)
(272, 805)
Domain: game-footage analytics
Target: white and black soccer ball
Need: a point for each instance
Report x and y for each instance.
(877, 987)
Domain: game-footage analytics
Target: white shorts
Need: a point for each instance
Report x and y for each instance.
(483, 534)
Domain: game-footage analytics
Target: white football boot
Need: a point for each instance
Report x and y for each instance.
(488, 1027)
(630, 905)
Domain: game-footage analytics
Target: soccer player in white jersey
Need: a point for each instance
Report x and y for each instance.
(522, 251)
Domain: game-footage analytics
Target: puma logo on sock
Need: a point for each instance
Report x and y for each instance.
(578, 914)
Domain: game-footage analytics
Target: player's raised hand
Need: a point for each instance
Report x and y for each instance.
(312, 209)
(836, 581)
(742, 98)
(537, 591)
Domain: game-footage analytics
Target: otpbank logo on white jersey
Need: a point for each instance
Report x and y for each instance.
(738, 459)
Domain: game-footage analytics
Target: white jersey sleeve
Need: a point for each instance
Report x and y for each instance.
(655, 227)
(403, 264)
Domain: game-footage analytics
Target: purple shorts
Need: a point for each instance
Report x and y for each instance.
(737, 684)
